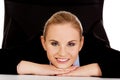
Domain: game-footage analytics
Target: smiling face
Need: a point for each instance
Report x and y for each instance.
(62, 44)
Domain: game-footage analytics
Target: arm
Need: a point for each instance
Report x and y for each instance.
(92, 69)
(109, 63)
(27, 67)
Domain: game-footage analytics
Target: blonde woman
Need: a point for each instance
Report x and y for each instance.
(62, 40)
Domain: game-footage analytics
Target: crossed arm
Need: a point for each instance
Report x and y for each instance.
(27, 67)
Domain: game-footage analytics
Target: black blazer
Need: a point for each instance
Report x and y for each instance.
(24, 21)
(107, 58)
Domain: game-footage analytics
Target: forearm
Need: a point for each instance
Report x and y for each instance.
(26, 67)
(91, 70)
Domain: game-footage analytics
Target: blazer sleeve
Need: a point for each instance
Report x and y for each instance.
(8, 62)
(109, 62)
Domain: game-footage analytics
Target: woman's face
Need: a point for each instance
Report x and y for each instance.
(62, 44)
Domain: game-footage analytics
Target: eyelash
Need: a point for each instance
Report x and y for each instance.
(54, 43)
(71, 44)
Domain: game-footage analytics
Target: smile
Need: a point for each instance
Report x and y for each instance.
(62, 60)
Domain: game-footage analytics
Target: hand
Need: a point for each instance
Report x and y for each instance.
(53, 71)
(87, 71)
(26, 67)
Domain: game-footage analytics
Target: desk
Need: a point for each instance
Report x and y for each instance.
(34, 77)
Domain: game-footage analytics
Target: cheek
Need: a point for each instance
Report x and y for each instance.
(51, 51)
(74, 52)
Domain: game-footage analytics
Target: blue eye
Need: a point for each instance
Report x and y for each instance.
(71, 44)
(54, 43)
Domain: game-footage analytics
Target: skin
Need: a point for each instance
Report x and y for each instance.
(84, 71)
(28, 67)
(62, 44)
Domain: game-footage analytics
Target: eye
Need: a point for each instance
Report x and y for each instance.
(54, 43)
(71, 44)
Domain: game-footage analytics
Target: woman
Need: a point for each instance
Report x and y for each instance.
(62, 40)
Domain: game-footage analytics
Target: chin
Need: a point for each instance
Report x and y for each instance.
(62, 67)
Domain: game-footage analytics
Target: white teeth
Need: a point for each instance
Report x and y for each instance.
(62, 59)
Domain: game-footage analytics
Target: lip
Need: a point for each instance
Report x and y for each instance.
(62, 60)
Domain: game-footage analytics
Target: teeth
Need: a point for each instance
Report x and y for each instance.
(61, 59)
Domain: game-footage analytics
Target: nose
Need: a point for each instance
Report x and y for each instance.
(62, 51)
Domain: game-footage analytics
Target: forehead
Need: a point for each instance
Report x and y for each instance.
(62, 26)
(62, 31)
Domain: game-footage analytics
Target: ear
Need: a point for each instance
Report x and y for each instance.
(43, 42)
(81, 43)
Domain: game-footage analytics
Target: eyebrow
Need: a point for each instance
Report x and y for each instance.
(72, 40)
(68, 41)
(52, 40)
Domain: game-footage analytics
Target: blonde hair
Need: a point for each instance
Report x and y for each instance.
(62, 17)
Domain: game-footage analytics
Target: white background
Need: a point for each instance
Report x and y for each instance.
(111, 21)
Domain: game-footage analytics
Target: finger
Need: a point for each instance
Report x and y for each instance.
(73, 68)
(64, 71)
(61, 71)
